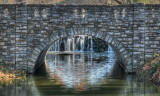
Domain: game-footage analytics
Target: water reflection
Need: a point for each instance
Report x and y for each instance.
(80, 70)
(72, 73)
(19, 87)
(44, 86)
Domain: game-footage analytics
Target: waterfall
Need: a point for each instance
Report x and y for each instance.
(68, 44)
(77, 44)
(52, 48)
(55, 49)
(88, 44)
(58, 45)
(82, 43)
(91, 49)
(74, 43)
(64, 41)
(109, 48)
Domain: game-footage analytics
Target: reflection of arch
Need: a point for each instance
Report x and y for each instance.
(39, 52)
(66, 68)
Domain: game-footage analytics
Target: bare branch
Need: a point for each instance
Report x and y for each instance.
(119, 2)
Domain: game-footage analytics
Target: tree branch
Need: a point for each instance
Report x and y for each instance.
(119, 2)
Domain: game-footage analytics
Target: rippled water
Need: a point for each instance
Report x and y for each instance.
(82, 74)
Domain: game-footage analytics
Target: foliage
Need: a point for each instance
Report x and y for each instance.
(146, 1)
(151, 70)
(6, 73)
(108, 2)
(138, 1)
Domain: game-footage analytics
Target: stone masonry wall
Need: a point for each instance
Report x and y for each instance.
(7, 35)
(26, 26)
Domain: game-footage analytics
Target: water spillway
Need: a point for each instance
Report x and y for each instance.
(80, 43)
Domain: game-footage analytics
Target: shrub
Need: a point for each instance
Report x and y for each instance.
(151, 69)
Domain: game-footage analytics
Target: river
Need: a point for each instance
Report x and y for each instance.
(79, 74)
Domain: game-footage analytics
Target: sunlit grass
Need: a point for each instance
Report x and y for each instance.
(8, 76)
(13, 75)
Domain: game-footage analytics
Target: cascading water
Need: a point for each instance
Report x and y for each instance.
(58, 47)
(78, 43)
(109, 48)
(69, 42)
(73, 44)
(91, 49)
(82, 42)
(55, 48)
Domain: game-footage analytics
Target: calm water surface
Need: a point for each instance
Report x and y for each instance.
(79, 74)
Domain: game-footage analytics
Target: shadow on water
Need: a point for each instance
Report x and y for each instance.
(44, 86)
(41, 70)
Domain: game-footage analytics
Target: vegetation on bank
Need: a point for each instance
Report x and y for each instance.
(6, 73)
(137, 1)
(151, 70)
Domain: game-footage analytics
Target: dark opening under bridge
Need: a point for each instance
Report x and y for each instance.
(27, 31)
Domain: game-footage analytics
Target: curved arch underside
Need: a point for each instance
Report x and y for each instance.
(39, 52)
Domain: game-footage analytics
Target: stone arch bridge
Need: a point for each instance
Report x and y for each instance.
(27, 31)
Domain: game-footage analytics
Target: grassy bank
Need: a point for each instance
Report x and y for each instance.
(151, 70)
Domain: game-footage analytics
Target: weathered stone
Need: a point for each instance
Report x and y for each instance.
(136, 33)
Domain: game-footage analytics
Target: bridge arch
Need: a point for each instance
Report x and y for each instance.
(38, 54)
